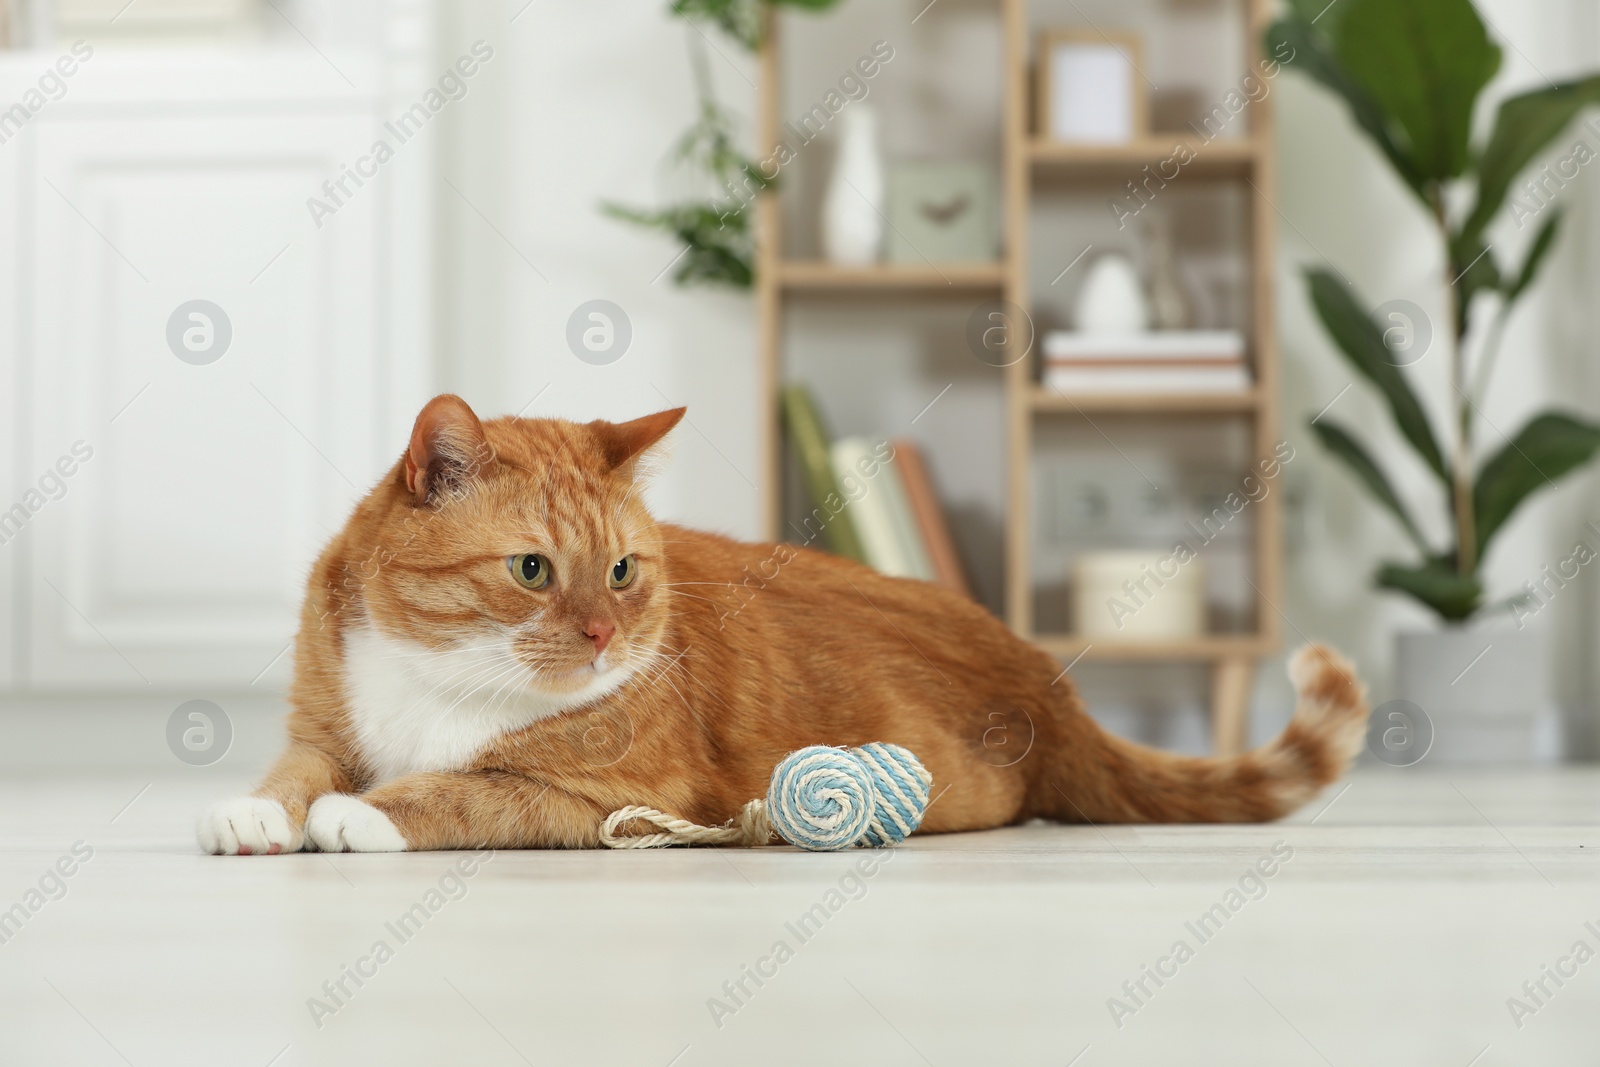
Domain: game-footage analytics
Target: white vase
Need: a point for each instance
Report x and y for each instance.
(852, 211)
(1111, 299)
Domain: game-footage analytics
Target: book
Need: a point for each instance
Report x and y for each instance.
(810, 438)
(879, 512)
(891, 484)
(1228, 378)
(929, 517)
(1071, 346)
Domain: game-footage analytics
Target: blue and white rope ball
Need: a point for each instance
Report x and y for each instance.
(902, 785)
(823, 799)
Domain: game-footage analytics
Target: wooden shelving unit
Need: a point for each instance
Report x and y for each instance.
(1031, 165)
(1229, 156)
(816, 276)
(1204, 649)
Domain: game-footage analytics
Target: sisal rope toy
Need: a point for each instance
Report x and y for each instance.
(821, 799)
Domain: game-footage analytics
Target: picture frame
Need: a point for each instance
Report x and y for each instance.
(1089, 89)
(945, 210)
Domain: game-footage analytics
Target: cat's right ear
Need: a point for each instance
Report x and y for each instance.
(447, 448)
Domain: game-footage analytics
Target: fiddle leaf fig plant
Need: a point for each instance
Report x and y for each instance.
(1411, 72)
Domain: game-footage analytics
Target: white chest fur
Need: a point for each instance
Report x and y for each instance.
(415, 709)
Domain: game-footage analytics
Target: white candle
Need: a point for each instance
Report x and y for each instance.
(1140, 596)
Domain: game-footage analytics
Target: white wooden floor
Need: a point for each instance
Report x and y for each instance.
(1412, 908)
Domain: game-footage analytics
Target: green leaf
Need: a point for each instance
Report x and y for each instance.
(1549, 446)
(1523, 127)
(1424, 62)
(1361, 341)
(1340, 443)
(739, 19)
(1301, 46)
(718, 246)
(1453, 596)
(1535, 257)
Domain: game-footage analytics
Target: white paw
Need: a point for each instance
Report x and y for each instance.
(248, 826)
(340, 822)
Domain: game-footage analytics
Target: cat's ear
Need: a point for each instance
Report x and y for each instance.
(621, 443)
(447, 448)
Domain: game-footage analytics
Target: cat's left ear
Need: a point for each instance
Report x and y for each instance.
(622, 443)
(447, 449)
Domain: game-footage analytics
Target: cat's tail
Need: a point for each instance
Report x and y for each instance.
(1103, 778)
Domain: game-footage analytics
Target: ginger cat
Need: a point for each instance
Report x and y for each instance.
(502, 647)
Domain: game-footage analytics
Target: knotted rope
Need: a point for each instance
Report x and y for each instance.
(750, 827)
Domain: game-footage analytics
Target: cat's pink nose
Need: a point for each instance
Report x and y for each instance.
(600, 633)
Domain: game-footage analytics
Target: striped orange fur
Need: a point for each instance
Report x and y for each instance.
(440, 703)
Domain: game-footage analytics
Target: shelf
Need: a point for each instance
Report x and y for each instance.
(1043, 183)
(1200, 649)
(1234, 156)
(822, 277)
(1045, 399)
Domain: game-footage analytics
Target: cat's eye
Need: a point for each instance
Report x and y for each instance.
(530, 570)
(622, 572)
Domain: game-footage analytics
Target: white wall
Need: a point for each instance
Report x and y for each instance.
(581, 104)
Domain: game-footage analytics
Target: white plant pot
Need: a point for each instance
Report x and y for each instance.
(1485, 691)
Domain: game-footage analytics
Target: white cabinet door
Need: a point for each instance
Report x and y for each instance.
(204, 481)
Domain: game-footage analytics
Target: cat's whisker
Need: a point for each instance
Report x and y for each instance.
(694, 596)
(694, 681)
(668, 663)
(459, 677)
(665, 676)
(405, 653)
(465, 675)
(493, 678)
(505, 666)
(508, 692)
(484, 708)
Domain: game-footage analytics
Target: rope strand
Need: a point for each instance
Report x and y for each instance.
(750, 827)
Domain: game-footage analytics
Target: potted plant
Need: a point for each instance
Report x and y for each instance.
(712, 222)
(1411, 72)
